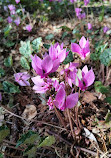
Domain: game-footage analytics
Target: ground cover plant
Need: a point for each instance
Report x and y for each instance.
(55, 78)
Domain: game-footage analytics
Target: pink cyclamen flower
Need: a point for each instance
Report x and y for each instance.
(17, 1)
(0, 96)
(21, 78)
(56, 85)
(9, 19)
(89, 26)
(11, 7)
(78, 11)
(28, 28)
(70, 73)
(86, 2)
(63, 102)
(57, 51)
(41, 85)
(72, 1)
(87, 79)
(105, 29)
(50, 103)
(13, 12)
(44, 67)
(82, 49)
(17, 21)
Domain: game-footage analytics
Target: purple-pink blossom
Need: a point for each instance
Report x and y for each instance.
(11, 7)
(82, 49)
(57, 51)
(87, 78)
(86, 2)
(79, 13)
(17, 21)
(89, 26)
(17, 1)
(70, 73)
(21, 78)
(41, 85)
(44, 67)
(9, 19)
(28, 28)
(72, 1)
(50, 103)
(63, 102)
(105, 29)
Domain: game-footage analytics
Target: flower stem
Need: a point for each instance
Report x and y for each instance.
(70, 122)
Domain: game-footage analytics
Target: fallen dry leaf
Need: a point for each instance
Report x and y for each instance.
(30, 112)
(88, 97)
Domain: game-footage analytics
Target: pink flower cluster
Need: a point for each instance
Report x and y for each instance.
(80, 15)
(44, 67)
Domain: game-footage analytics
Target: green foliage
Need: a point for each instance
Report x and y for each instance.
(65, 28)
(75, 31)
(4, 132)
(7, 30)
(36, 44)
(101, 16)
(9, 43)
(49, 37)
(64, 35)
(25, 49)
(34, 141)
(28, 138)
(47, 46)
(1, 155)
(24, 63)
(10, 88)
(30, 151)
(8, 62)
(105, 57)
(2, 72)
(48, 141)
(68, 59)
(99, 49)
(108, 100)
(100, 88)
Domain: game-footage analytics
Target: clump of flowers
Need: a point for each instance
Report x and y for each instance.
(105, 29)
(80, 15)
(63, 91)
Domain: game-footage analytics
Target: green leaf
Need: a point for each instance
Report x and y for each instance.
(9, 43)
(108, 100)
(10, 88)
(68, 59)
(1, 19)
(1, 155)
(25, 49)
(48, 141)
(8, 62)
(65, 28)
(75, 31)
(30, 151)
(7, 30)
(36, 44)
(4, 132)
(47, 46)
(105, 57)
(28, 138)
(24, 63)
(49, 37)
(2, 72)
(64, 35)
(101, 16)
(100, 88)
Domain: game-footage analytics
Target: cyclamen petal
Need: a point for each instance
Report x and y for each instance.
(71, 100)
(89, 78)
(47, 64)
(21, 78)
(17, 1)
(83, 50)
